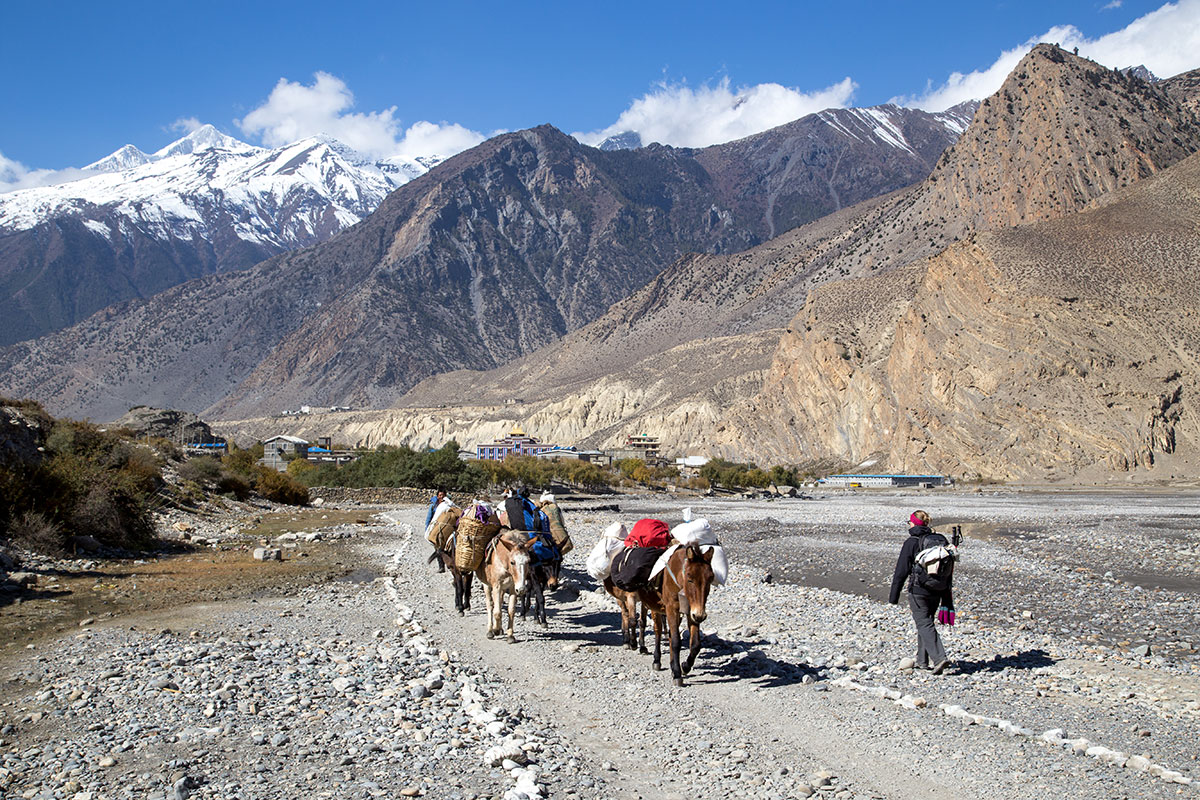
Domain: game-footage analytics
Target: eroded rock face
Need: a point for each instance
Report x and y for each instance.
(166, 423)
(1033, 352)
(23, 432)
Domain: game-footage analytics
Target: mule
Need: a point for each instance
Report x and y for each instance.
(682, 594)
(504, 572)
(462, 578)
(541, 578)
(628, 601)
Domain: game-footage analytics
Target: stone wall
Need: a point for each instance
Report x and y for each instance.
(380, 496)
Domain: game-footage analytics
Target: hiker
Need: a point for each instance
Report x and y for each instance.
(929, 588)
(434, 502)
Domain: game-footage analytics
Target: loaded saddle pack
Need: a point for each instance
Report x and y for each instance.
(632, 566)
(933, 564)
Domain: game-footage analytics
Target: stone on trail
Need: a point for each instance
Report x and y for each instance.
(268, 554)
(908, 664)
(1143, 650)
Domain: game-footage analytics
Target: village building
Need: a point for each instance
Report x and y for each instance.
(882, 481)
(279, 450)
(639, 445)
(517, 443)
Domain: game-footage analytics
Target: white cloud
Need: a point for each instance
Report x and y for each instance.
(1112, 5)
(14, 175)
(185, 125)
(1167, 41)
(294, 111)
(685, 117)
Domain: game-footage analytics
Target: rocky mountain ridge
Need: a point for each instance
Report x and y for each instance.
(721, 295)
(491, 255)
(680, 358)
(145, 222)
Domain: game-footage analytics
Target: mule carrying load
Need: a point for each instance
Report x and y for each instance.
(476, 530)
(683, 564)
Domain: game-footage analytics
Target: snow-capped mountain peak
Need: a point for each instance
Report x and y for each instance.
(206, 137)
(124, 158)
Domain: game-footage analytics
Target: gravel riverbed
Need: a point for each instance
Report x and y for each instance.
(1076, 671)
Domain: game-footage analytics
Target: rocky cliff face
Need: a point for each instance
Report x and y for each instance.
(1034, 352)
(1185, 90)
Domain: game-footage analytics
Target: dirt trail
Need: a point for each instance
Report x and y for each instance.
(612, 704)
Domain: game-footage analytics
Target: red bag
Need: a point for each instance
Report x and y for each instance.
(649, 533)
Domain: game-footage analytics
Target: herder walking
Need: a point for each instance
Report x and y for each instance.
(927, 564)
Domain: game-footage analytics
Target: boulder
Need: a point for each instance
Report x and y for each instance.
(268, 554)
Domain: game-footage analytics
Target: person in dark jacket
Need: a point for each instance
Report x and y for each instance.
(434, 502)
(925, 604)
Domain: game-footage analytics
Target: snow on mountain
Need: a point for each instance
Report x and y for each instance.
(206, 137)
(886, 123)
(127, 157)
(284, 198)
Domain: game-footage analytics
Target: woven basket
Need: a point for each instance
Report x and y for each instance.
(473, 539)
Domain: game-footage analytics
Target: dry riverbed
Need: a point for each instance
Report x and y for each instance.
(344, 672)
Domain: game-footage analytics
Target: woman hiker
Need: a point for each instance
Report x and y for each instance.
(929, 590)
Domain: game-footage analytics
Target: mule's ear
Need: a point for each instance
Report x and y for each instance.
(708, 556)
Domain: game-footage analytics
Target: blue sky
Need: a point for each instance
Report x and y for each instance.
(85, 78)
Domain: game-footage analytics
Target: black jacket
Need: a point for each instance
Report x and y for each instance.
(904, 565)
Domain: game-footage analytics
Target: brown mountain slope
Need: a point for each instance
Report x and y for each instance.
(1061, 126)
(1184, 88)
(491, 255)
(1033, 352)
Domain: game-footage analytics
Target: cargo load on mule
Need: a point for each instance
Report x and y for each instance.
(445, 518)
(599, 560)
(558, 526)
(632, 566)
(649, 533)
(518, 513)
(476, 529)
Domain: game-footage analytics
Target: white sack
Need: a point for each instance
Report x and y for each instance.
(695, 532)
(599, 560)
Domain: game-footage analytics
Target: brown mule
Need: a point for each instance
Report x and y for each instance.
(686, 581)
(504, 571)
(633, 637)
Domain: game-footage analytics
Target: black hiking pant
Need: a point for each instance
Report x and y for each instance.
(930, 652)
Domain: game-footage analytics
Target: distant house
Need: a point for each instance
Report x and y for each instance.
(882, 481)
(215, 449)
(279, 450)
(517, 443)
(639, 445)
(690, 465)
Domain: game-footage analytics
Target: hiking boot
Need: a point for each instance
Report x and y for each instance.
(940, 667)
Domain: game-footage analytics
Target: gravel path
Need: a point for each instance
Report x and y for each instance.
(377, 688)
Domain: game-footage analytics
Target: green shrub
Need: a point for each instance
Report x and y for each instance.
(403, 466)
(234, 484)
(36, 532)
(279, 487)
(88, 482)
(204, 469)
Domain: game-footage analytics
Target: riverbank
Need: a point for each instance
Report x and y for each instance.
(374, 687)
